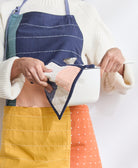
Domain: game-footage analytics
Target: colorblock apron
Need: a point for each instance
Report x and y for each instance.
(34, 136)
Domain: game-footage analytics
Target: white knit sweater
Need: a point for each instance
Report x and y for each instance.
(97, 40)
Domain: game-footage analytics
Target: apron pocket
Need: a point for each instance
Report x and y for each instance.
(35, 136)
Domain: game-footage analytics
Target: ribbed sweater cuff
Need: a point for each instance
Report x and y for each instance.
(8, 89)
(114, 82)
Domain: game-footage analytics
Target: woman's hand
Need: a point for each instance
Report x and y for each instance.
(33, 69)
(113, 61)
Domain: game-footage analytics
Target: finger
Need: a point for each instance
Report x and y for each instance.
(104, 62)
(49, 88)
(41, 74)
(37, 80)
(45, 69)
(109, 66)
(118, 66)
(29, 77)
(102, 73)
(115, 67)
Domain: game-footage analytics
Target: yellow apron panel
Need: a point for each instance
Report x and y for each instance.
(35, 137)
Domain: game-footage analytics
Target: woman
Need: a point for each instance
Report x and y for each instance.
(32, 135)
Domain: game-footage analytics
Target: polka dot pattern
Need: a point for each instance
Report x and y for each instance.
(84, 149)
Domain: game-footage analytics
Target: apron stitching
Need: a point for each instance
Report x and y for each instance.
(35, 116)
(34, 130)
(33, 25)
(28, 37)
(49, 51)
(32, 160)
(10, 144)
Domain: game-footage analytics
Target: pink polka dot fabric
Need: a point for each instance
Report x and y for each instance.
(84, 149)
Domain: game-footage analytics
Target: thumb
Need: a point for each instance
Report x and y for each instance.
(99, 64)
(102, 71)
(45, 69)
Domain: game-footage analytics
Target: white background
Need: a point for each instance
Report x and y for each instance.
(115, 118)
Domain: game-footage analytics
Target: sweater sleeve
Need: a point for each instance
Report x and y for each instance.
(8, 89)
(111, 82)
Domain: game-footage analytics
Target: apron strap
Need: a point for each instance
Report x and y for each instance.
(18, 8)
(67, 7)
(15, 11)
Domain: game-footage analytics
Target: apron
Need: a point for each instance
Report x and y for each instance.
(34, 136)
